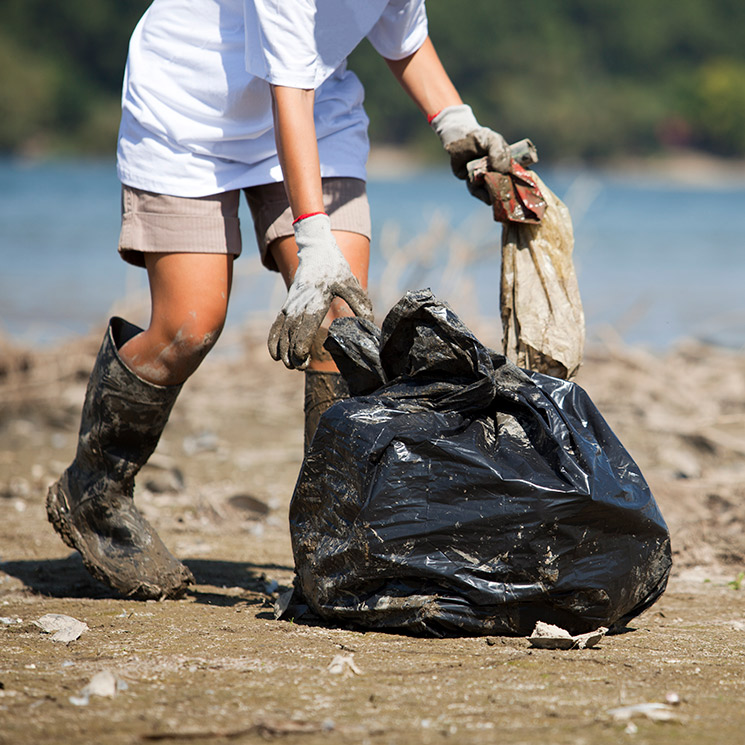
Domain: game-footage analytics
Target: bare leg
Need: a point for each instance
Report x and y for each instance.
(189, 294)
(133, 386)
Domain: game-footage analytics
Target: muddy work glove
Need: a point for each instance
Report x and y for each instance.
(465, 140)
(322, 274)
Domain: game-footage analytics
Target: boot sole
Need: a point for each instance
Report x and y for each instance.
(59, 516)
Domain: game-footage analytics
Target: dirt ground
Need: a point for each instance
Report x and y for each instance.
(217, 665)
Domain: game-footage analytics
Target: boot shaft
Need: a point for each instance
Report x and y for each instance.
(123, 416)
(322, 389)
(91, 505)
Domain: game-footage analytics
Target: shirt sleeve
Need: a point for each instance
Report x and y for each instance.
(299, 43)
(401, 29)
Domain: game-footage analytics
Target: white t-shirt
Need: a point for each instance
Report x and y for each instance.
(196, 105)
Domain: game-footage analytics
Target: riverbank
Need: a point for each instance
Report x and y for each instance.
(217, 665)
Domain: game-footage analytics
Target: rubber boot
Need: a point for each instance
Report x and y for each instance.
(321, 390)
(92, 505)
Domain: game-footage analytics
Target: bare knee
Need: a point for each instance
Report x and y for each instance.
(184, 342)
(172, 348)
(191, 340)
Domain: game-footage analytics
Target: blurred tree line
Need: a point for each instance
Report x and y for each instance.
(584, 79)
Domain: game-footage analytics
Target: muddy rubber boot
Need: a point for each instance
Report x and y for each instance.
(91, 506)
(321, 390)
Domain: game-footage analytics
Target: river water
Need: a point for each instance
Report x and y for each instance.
(657, 261)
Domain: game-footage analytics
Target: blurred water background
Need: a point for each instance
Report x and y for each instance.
(658, 260)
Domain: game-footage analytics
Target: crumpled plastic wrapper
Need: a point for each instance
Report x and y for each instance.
(104, 684)
(62, 628)
(543, 323)
(344, 665)
(548, 636)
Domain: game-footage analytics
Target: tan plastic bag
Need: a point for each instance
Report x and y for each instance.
(542, 319)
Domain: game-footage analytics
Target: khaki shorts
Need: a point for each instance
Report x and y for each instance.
(157, 223)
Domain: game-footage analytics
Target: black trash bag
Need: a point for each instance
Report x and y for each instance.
(456, 494)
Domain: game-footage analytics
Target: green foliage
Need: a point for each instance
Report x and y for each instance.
(61, 66)
(28, 88)
(719, 115)
(581, 78)
(584, 79)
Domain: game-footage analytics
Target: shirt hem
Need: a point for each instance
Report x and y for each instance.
(176, 187)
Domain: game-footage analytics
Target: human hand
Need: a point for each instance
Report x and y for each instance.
(322, 274)
(466, 140)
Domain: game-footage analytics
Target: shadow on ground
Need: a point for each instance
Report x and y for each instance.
(68, 578)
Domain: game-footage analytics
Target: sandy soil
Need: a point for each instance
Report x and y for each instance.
(217, 666)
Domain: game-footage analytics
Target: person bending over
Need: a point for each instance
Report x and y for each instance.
(222, 97)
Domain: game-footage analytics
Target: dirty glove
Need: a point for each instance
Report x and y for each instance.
(322, 274)
(465, 140)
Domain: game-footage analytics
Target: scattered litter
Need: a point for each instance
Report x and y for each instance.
(288, 606)
(282, 603)
(672, 698)
(738, 625)
(654, 711)
(344, 665)
(8, 621)
(548, 636)
(65, 628)
(104, 684)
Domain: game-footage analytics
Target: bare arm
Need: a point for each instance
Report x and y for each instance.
(295, 134)
(423, 77)
(322, 271)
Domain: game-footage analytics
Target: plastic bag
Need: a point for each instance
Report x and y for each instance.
(454, 493)
(543, 323)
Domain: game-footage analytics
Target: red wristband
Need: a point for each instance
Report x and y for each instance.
(308, 214)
